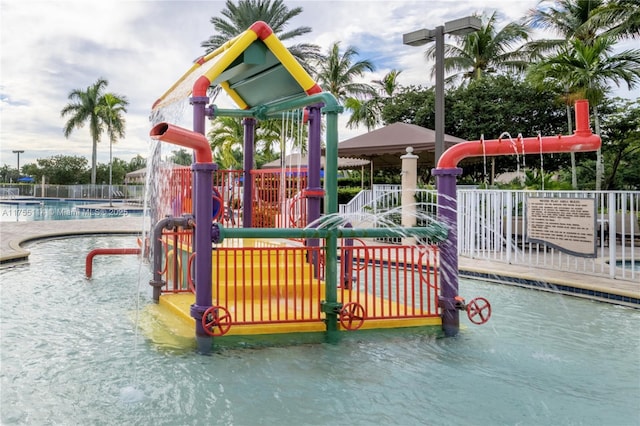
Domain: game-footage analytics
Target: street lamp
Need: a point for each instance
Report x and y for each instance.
(18, 151)
(459, 26)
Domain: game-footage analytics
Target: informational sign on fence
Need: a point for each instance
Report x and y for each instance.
(567, 224)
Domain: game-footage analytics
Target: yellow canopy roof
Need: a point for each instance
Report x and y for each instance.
(254, 68)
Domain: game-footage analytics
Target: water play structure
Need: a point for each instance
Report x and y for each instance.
(285, 262)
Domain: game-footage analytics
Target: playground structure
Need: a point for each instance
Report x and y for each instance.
(305, 271)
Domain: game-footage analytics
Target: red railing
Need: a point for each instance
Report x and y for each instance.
(391, 281)
(277, 198)
(271, 282)
(266, 285)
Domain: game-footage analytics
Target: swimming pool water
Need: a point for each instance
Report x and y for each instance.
(71, 354)
(629, 264)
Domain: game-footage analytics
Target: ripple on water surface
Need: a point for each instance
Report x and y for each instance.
(71, 355)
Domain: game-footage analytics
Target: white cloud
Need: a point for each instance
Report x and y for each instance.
(49, 48)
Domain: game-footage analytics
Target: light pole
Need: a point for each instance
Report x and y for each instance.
(459, 26)
(445, 178)
(18, 151)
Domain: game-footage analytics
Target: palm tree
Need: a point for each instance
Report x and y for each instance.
(110, 110)
(90, 105)
(620, 17)
(570, 19)
(582, 20)
(275, 13)
(590, 67)
(337, 71)
(226, 137)
(486, 51)
(369, 111)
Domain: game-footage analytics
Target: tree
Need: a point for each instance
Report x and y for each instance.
(621, 145)
(237, 18)
(589, 66)
(110, 109)
(99, 110)
(487, 108)
(84, 107)
(116, 170)
(369, 111)
(620, 17)
(8, 174)
(59, 170)
(411, 104)
(182, 157)
(486, 51)
(337, 72)
(136, 163)
(225, 137)
(570, 19)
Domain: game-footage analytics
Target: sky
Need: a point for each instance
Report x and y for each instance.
(49, 48)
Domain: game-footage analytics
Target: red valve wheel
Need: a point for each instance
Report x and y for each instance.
(352, 316)
(216, 316)
(479, 310)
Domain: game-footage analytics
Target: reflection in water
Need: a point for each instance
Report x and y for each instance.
(71, 355)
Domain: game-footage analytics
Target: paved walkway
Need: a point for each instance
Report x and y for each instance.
(14, 234)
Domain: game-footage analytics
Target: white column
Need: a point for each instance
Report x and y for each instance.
(409, 182)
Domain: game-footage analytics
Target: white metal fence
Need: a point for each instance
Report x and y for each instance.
(492, 226)
(127, 192)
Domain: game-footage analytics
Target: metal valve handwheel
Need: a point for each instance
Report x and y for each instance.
(216, 321)
(479, 310)
(352, 316)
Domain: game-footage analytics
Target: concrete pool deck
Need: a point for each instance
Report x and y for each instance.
(14, 234)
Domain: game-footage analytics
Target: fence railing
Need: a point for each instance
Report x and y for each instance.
(125, 192)
(492, 226)
(271, 283)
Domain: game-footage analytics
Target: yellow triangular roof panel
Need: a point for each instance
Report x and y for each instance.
(254, 68)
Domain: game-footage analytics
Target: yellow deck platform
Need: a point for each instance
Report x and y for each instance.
(268, 287)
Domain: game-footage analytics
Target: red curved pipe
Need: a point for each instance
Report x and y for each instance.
(88, 265)
(180, 136)
(201, 86)
(262, 29)
(582, 140)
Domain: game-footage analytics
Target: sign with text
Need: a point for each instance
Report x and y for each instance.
(567, 224)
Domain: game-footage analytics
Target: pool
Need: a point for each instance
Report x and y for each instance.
(629, 264)
(72, 354)
(31, 209)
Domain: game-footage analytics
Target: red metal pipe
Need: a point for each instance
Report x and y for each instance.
(201, 86)
(583, 140)
(180, 136)
(88, 266)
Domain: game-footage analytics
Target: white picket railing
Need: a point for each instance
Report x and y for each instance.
(492, 226)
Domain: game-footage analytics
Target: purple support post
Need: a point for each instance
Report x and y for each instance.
(247, 203)
(202, 174)
(199, 116)
(448, 269)
(202, 208)
(314, 190)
